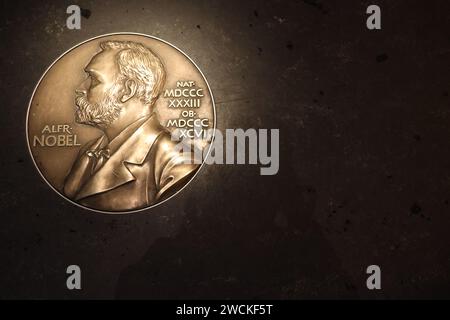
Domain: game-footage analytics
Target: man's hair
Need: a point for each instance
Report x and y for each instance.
(138, 63)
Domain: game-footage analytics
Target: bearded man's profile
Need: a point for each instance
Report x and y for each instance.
(134, 163)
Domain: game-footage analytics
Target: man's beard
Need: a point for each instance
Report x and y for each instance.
(100, 114)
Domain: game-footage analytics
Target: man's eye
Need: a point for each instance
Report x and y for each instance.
(94, 82)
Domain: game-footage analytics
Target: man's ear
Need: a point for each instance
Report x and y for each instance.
(130, 88)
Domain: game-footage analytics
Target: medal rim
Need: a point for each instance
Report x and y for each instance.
(127, 211)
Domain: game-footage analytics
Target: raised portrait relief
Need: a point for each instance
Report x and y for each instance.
(120, 123)
(133, 164)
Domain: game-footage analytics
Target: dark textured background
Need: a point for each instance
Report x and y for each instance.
(364, 178)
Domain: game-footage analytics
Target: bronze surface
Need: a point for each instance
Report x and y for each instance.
(98, 120)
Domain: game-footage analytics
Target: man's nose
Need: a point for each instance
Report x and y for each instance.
(81, 90)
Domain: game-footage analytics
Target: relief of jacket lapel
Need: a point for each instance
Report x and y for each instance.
(82, 168)
(114, 172)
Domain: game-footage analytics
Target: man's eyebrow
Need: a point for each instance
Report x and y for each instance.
(91, 71)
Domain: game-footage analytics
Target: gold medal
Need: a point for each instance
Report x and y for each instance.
(102, 120)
